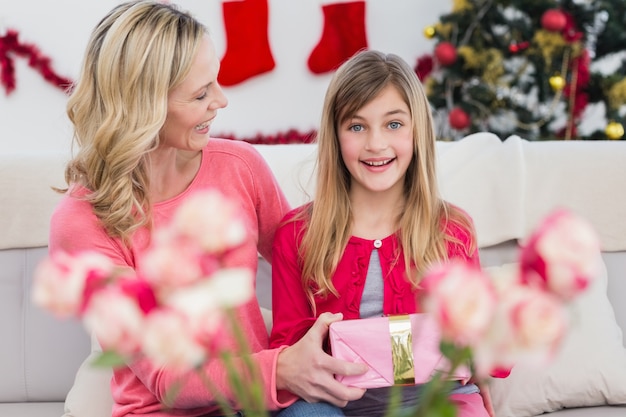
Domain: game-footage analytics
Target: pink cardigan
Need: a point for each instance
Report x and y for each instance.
(238, 170)
(292, 314)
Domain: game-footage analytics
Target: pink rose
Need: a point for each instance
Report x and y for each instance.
(169, 264)
(203, 305)
(562, 255)
(62, 282)
(538, 319)
(116, 319)
(169, 339)
(231, 287)
(462, 299)
(529, 326)
(139, 290)
(211, 220)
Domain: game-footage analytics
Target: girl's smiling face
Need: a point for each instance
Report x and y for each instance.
(377, 143)
(192, 105)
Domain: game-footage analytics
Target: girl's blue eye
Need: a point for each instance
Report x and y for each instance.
(395, 125)
(356, 128)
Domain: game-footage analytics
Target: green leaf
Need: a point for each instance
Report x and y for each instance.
(172, 393)
(109, 359)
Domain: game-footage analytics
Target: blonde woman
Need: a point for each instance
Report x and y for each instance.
(376, 221)
(142, 109)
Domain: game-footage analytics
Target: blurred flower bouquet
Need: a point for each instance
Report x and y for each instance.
(176, 308)
(518, 318)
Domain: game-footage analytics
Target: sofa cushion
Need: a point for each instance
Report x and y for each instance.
(600, 411)
(36, 347)
(26, 181)
(32, 409)
(589, 370)
(90, 395)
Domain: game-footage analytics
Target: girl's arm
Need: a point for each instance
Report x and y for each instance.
(290, 306)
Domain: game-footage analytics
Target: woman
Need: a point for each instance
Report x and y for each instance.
(142, 110)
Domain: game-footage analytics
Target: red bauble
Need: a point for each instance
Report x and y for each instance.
(458, 118)
(553, 20)
(423, 66)
(445, 53)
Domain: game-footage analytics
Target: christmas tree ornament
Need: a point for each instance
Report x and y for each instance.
(430, 32)
(557, 82)
(553, 20)
(543, 71)
(424, 66)
(343, 35)
(248, 52)
(458, 118)
(516, 47)
(571, 32)
(445, 52)
(614, 130)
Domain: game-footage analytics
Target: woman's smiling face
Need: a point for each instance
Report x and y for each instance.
(192, 105)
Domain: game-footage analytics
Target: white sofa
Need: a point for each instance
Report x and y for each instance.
(506, 186)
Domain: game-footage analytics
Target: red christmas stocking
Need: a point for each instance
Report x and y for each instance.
(247, 47)
(343, 35)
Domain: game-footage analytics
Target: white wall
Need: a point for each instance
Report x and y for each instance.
(33, 117)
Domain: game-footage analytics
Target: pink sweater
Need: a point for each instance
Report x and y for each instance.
(241, 173)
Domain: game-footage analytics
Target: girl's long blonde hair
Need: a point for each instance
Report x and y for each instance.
(329, 218)
(136, 54)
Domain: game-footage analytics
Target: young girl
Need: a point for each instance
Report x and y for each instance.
(376, 222)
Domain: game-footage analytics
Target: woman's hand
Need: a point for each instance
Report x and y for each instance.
(308, 372)
(486, 395)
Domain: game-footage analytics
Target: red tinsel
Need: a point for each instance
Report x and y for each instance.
(282, 138)
(580, 67)
(570, 32)
(563, 132)
(10, 47)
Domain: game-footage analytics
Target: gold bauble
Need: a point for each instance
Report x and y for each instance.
(429, 32)
(557, 82)
(614, 130)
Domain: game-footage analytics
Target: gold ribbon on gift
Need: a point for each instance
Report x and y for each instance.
(402, 350)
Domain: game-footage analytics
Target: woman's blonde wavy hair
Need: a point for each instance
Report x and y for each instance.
(358, 81)
(136, 54)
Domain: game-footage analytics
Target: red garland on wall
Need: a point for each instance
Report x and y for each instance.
(10, 47)
(282, 138)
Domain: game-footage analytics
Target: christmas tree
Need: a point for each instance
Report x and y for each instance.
(529, 68)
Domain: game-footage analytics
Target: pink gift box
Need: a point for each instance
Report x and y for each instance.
(369, 341)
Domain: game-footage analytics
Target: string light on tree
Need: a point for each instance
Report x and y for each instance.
(518, 47)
